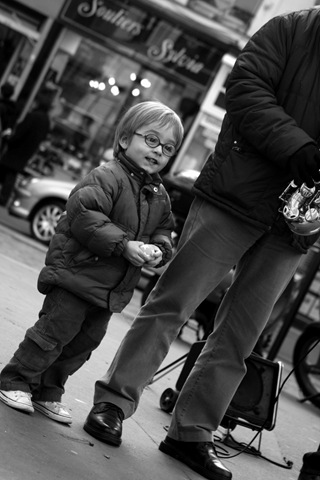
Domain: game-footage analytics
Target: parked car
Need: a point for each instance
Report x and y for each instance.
(40, 201)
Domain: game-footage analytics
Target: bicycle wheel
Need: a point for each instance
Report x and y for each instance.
(306, 360)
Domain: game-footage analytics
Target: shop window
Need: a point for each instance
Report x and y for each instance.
(204, 132)
(19, 33)
(196, 151)
(96, 86)
(14, 53)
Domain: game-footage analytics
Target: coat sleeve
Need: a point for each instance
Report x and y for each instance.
(251, 93)
(88, 209)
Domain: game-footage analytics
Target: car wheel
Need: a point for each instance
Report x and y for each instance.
(44, 220)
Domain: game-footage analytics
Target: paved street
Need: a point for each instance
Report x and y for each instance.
(34, 447)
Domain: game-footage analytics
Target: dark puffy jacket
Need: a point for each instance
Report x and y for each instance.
(273, 109)
(115, 203)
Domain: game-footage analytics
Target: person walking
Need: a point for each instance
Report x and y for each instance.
(268, 137)
(117, 219)
(24, 142)
(8, 112)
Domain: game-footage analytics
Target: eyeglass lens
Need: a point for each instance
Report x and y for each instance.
(153, 141)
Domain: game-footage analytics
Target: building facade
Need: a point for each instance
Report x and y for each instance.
(102, 56)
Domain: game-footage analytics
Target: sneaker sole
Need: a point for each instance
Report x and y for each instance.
(173, 452)
(51, 415)
(103, 437)
(16, 405)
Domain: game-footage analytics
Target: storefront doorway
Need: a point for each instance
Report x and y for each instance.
(19, 36)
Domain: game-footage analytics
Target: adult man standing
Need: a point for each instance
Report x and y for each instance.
(24, 142)
(268, 137)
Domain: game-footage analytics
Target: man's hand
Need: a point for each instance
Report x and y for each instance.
(305, 165)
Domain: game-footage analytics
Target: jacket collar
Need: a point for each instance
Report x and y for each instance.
(131, 168)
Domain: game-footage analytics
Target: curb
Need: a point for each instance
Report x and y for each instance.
(23, 238)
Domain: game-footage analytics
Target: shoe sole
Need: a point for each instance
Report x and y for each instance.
(51, 415)
(16, 405)
(103, 437)
(173, 452)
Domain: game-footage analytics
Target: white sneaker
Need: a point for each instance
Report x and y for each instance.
(54, 410)
(17, 399)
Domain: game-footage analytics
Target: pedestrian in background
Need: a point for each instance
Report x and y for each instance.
(117, 219)
(8, 112)
(268, 137)
(24, 142)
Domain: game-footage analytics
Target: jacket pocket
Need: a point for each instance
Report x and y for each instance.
(246, 179)
(82, 257)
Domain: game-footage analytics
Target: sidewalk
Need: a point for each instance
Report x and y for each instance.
(36, 448)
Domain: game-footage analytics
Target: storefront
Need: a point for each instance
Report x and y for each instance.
(107, 55)
(23, 32)
(103, 56)
(113, 54)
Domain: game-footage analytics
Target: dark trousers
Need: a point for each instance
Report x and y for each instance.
(8, 178)
(67, 331)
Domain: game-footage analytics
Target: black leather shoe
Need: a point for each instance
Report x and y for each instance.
(311, 466)
(200, 456)
(104, 422)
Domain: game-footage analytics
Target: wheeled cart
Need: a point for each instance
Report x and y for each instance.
(255, 402)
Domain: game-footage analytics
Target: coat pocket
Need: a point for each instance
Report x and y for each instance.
(84, 256)
(245, 179)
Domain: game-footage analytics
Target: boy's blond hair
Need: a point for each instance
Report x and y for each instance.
(143, 114)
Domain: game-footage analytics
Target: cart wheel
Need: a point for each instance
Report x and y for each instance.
(168, 400)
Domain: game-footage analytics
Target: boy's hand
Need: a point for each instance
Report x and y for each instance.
(154, 262)
(134, 254)
(139, 253)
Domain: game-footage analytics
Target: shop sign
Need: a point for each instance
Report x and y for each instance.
(144, 36)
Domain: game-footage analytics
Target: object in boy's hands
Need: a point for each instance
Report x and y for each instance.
(150, 250)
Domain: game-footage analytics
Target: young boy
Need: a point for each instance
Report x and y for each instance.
(117, 219)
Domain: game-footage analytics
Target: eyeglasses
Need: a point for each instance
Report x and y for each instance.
(153, 141)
